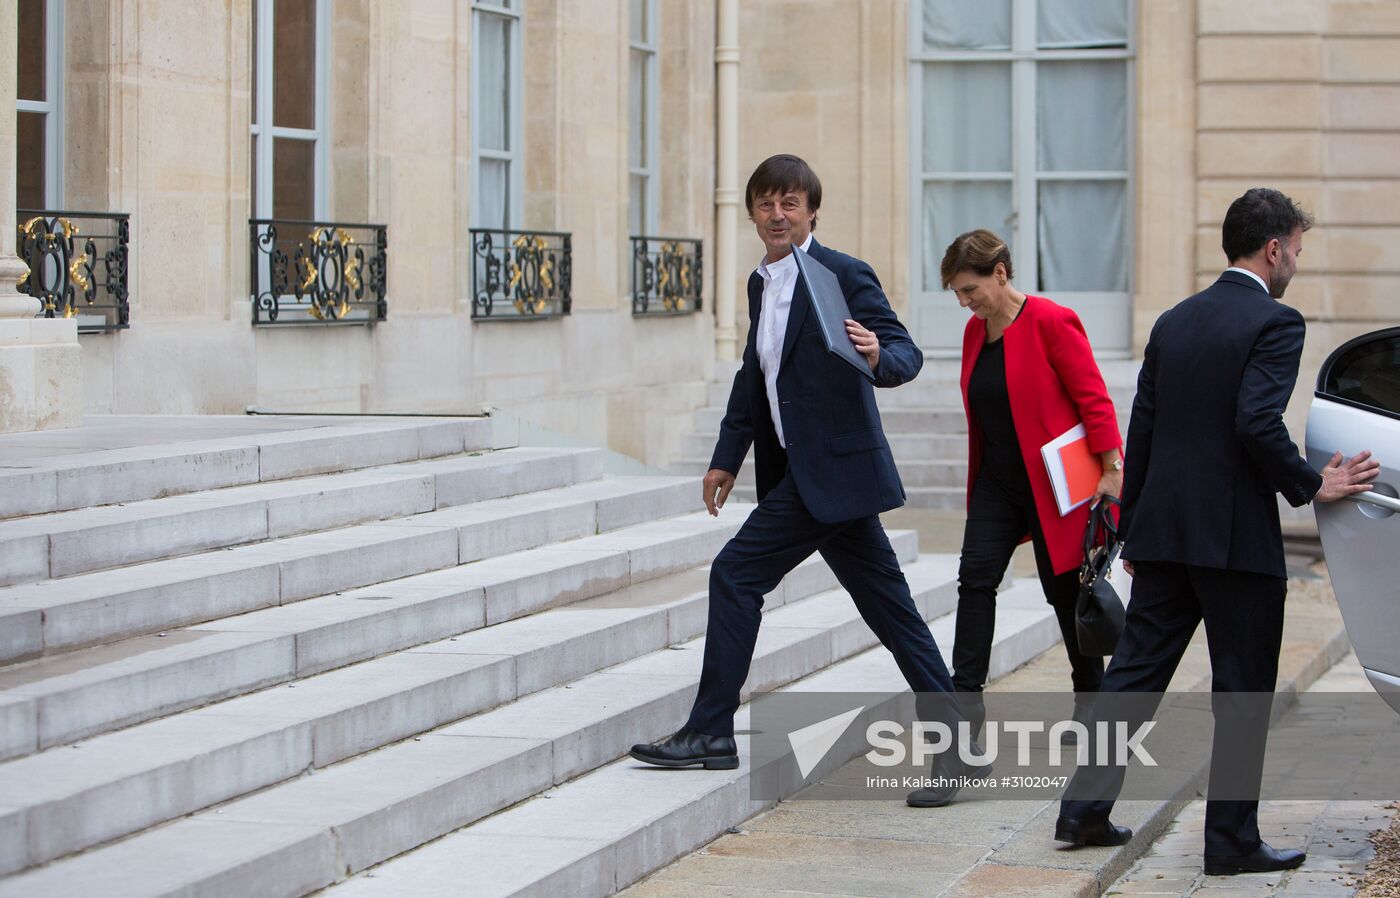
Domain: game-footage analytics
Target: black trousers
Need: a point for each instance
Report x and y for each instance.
(1243, 614)
(999, 516)
(778, 535)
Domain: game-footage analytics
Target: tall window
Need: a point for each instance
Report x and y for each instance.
(1024, 116)
(291, 50)
(642, 118)
(39, 105)
(496, 117)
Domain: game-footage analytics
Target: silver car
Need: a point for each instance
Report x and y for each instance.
(1357, 406)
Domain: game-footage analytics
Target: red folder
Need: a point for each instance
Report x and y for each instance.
(1074, 470)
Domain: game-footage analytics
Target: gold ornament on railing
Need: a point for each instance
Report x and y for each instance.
(530, 247)
(673, 296)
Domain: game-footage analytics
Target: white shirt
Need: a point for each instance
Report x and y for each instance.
(1251, 274)
(779, 281)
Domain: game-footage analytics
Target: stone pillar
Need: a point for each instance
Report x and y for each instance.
(41, 376)
(726, 177)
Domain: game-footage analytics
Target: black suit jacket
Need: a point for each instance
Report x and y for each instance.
(1207, 446)
(836, 448)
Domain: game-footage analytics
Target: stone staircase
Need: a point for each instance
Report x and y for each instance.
(923, 420)
(260, 665)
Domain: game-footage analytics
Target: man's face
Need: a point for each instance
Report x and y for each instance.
(1286, 265)
(783, 220)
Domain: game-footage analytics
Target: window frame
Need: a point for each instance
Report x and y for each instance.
(51, 108)
(651, 131)
(261, 113)
(1025, 177)
(513, 12)
(1324, 374)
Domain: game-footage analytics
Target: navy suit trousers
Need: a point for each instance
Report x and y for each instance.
(778, 535)
(1243, 615)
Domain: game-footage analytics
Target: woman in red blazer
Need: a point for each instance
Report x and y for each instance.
(1028, 375)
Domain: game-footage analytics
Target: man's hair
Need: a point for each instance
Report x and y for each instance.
(1261, 215)
(784, 173)
(977, 251)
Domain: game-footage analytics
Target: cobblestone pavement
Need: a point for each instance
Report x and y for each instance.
(1335, 835)
(978, 849)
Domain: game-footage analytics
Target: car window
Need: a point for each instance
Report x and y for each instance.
(1366, 372)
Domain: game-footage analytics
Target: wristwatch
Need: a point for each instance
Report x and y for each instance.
(1117, 464)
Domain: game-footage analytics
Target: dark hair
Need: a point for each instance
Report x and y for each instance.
(977, 251)
(1261, 215)
(784, 173)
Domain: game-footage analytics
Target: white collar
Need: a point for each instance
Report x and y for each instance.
(765, 269)
(1256, 277)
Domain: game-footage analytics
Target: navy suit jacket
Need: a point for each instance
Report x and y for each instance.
(836, 448)
(1207, 446)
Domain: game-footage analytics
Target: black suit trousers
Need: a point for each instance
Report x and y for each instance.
(778, 535)
(1243, 614)
(1002, 511)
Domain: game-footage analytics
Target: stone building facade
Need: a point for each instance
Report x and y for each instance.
(612, 119)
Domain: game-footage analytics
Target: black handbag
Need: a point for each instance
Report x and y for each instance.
(1098, 612)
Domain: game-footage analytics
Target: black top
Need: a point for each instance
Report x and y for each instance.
(991, 406)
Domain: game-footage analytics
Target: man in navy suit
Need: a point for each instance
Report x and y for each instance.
(824, 468)
(1207, 455)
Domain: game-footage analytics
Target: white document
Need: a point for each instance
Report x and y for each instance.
(1055, 467)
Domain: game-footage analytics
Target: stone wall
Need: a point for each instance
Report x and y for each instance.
(828, 81)
(159, 107)
(1304, 96)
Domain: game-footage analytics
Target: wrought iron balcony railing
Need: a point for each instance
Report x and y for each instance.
(77, 266)
(521, 275)
(317, 272)
(666, 276)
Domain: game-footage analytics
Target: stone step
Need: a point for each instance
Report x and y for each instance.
(609, 828)
(951, 472)
(934, 498)
(938, 386)
(106, 606)
(382, 804)
(646, 596)
(895, 420)
(910, 446)
(89, 539)
(69, 696)
(104, 477)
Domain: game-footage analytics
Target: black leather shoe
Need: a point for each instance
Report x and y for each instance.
(938, 796)
(1105, 833)
(686, 748)
(1264, 859)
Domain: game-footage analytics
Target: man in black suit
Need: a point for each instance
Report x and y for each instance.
(824, 468)
(1207, 452)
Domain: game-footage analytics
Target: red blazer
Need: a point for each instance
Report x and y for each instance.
(1053, 383)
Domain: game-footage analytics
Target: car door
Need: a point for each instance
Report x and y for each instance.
(1357, 406)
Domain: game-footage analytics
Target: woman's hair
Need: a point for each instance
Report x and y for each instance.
(977, 251)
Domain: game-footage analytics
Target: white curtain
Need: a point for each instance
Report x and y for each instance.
(1082, 111)
(637, 205)
(493, 82)
(492, 193)
(1083, 236)
(952, 207)
(492, 98)
(1081, 23)
(967, 25)
(637, 98)
(967, 117)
